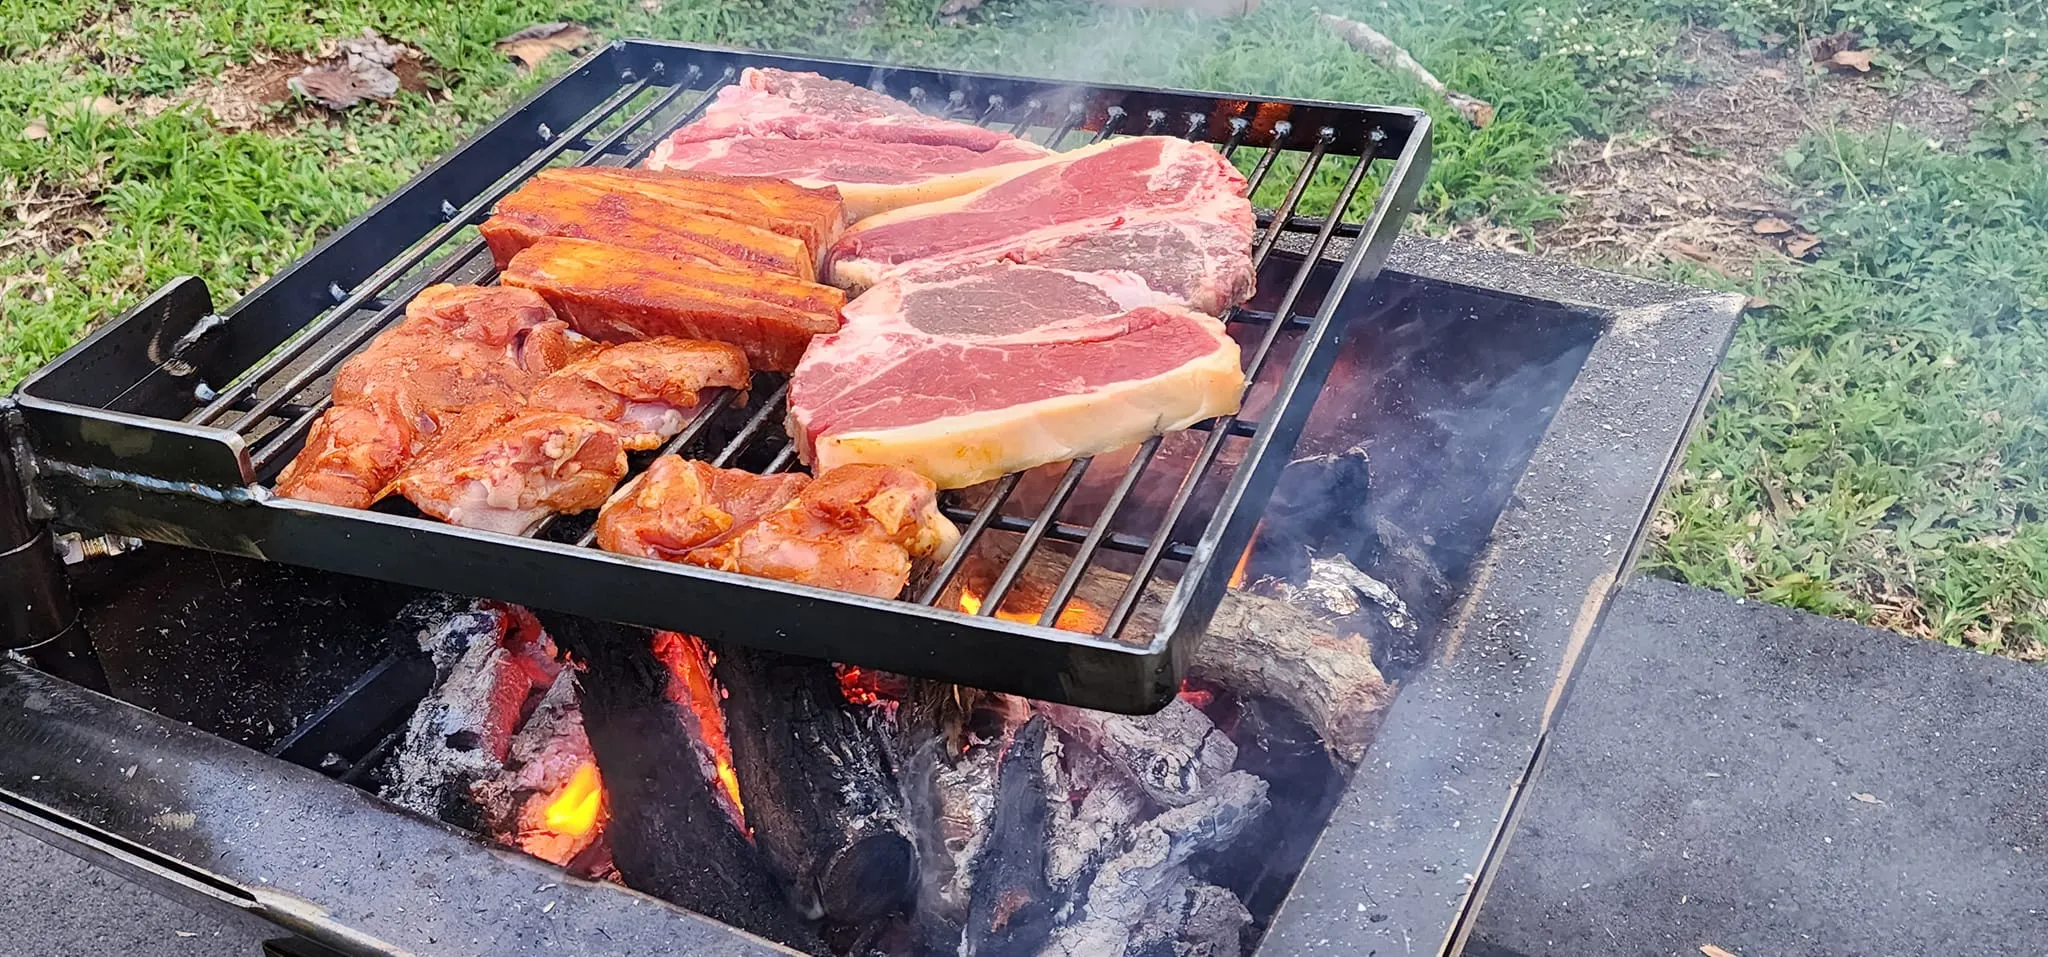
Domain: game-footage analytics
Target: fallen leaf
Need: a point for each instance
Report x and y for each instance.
(1866, 797)
(1858, 60)
(35, 130)
(1798, 246)
(1698, 255)
(1757, 302)
(101, 106)
(537, 42)
(1712, 951)
(344, 85)
(1771, 226)
(1823, 49)
(651, 6)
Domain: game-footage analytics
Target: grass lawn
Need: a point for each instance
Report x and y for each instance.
(1877, 448)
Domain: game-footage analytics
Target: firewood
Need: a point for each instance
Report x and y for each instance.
(1013, 908)
(1174, 755)
(819, 790)
(671, 835)
(1389, 54)
(544, 758)
(1153, 866)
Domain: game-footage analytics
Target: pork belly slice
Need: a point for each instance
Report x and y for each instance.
(645, 388)
(806, 106)
(502, 469)
(456, 348)
(871, 177)
(813, 216)
(1073, 199)
(554, 206)
(617, 295)
(682, 504)
(1003, 367)
(853, 529)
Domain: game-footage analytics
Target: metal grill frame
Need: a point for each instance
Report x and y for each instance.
(127, 433)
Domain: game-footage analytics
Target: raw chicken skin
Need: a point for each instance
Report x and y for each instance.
(682, 504)
(644, 387)
(853, 529)
(502, 470)
(458, 347)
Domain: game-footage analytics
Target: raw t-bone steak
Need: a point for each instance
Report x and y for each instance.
(964, 375)
(880, 153)
(1153, 205)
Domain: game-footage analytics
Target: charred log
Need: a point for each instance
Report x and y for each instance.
(493, 663)
(1087, 833)
(670, 831)
(819, 788)
(1153, 866)
(1012, 909)
(1173, 755)
(1318, 506)
(549, 757)
(1192, 920)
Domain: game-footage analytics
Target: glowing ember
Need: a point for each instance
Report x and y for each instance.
(689, 662)
(1199, 697)
(575, 810)
(873, 689)
(1078, 616)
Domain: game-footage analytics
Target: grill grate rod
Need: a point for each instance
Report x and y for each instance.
(943, 575)
(1000, 590)
(706, 414)
(1093, 541)
(293, 432)
(1214, 444)
(384, 277)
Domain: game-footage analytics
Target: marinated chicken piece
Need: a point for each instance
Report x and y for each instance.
(813, 216)
(503, 470)
(457, 348)
(618, 295)
(855, 528)
(682, 504)
(351, 452)
(644, 388)
(554, 206)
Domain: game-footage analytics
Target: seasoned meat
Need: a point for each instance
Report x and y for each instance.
(619, 295)
(458, 347)
(854, 529)
(681, 504)
(555, 206)
(644, 388)
(503, 470)
(812, 216)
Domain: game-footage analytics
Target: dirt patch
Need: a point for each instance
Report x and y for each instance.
(1698, 186)
(46, 217)
(258, 96)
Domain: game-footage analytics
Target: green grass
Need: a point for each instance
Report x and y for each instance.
(1875, 453)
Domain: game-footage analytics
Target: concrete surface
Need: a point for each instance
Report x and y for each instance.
(1773, 783)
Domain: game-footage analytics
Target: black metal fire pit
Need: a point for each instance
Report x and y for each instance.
(1519, 416)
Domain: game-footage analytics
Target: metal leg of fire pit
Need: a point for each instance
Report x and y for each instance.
(37, 616)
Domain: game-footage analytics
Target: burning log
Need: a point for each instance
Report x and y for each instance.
(671, 828)
(550, 800)
(1013, 908)
(1153, 866)
(1192, 920)
(820, 791)
(1174, 755)
(1086, 834)
(492, 662)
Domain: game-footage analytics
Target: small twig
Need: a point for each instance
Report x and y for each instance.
(1389, 54)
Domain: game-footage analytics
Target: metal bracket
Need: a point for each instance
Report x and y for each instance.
(37, 615)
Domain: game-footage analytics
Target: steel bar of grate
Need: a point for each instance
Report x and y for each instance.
(1000, 589)
(273, 446)
(1128, 602)
(1064, 592)
(760, 419)
(384, 277)
(976, 524)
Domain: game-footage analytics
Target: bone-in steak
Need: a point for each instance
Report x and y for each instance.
(881, 153)
(965, 376)
(1103, 205)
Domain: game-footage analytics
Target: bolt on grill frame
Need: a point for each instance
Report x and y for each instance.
(167, 423)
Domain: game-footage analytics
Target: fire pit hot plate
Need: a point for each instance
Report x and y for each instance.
(1332, 775)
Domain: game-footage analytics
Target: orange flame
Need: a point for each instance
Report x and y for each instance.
(1079, 615)
(574, 811)
(1244, 561)
(689, 662)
